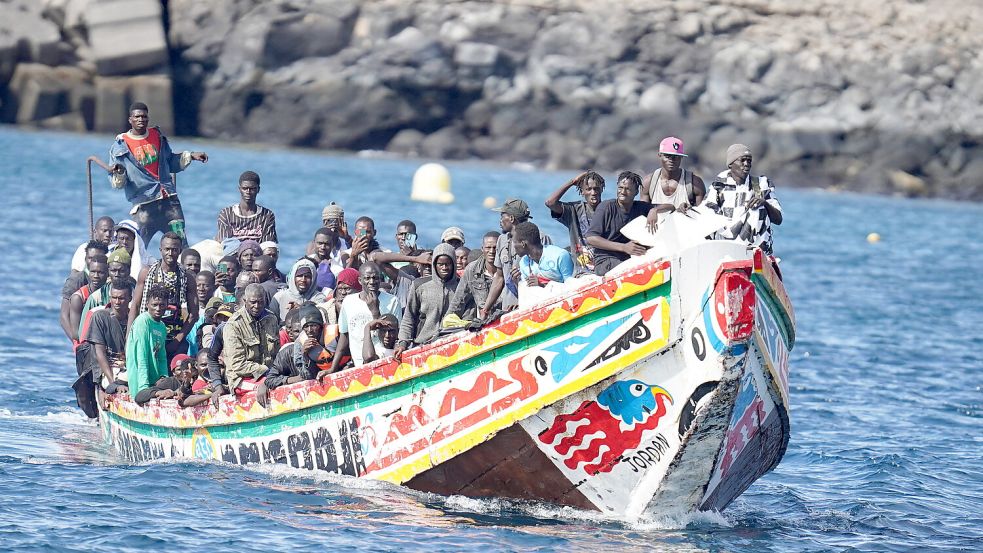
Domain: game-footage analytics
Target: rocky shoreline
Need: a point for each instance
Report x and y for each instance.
(862, 96)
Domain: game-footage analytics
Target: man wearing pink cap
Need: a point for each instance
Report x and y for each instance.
(671, 187)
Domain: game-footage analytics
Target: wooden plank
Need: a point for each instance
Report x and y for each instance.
(509, 465)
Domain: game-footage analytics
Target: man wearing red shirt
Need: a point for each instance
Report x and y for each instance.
(141, 164)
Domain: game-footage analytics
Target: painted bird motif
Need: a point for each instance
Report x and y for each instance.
(631, 400)
(599, 432)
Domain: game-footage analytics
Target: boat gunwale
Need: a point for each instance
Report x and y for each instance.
(416, 363)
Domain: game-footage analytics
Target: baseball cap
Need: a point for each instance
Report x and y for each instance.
(226, 310)
(672, 146)
(514, 207)
(451, 233)
(178, 359)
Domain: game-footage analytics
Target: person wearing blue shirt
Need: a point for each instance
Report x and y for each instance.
(540, 264)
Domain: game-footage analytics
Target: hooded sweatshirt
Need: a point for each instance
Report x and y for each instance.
(427, 303)
(283, 298)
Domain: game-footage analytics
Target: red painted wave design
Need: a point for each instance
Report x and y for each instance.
(602, 452)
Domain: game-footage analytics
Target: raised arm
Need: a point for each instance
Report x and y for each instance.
(368, 348)
(385, 260)
(553, 201)
(342, 350)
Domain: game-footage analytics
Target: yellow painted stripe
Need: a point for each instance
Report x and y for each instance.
(436, 455)
(175, 417)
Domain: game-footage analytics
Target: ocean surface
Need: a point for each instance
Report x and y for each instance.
(887, 405)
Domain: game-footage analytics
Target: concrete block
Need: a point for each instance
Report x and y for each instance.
(73, 122)
(8, 58)
(155, 91)
(37, 39)
(82, 100)
(126, 36)
(37, 93)
(111, 104)
(113, 96)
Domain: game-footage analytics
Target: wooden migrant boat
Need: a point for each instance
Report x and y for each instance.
(662, 387)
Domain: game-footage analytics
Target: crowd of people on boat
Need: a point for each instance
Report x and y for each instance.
(221, 317)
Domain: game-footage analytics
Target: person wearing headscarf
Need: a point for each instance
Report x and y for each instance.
(247, 252)
(347, 284)
(300, 289)
(128, 238)
(272, 249)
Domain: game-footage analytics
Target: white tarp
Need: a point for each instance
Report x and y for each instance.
(676, 231)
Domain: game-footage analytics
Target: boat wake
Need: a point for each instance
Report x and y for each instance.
(467, 509)
(69, 416)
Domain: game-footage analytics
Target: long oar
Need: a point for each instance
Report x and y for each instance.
(88, 174)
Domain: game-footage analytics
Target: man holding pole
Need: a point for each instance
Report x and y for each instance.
(141, 163)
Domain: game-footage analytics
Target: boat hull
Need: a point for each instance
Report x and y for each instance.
(629, 395)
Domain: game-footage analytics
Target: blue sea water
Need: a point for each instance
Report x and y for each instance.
(887, 404)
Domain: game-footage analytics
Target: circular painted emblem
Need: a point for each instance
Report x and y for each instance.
(699, 344)
(202, 445)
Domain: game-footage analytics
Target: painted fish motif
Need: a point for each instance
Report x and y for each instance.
(598, 432)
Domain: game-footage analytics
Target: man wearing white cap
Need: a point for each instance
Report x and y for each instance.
(671, 185)
(748, 201)
(453, 236)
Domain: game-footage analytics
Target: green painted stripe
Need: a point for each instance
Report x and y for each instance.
(287, 421)
(777, 311)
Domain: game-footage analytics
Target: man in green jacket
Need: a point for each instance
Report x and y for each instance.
(252, 341)
(146, 358)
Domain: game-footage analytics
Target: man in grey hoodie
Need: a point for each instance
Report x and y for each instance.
(428, 301)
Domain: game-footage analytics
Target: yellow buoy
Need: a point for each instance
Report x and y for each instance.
(432, 183)
(490, 202)
(873, 238)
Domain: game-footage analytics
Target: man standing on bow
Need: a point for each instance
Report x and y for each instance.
(749, 202)
(141, 163)
(672, 187)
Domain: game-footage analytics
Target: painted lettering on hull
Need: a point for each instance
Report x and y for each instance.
(649, 455)
(598, 433)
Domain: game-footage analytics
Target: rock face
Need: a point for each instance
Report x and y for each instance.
(884, 97)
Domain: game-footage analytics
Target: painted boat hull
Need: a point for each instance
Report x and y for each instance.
(663, 387)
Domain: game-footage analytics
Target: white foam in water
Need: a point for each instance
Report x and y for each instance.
(478, 506)
(681, 520)
(283, 472)
(71, 416)
(570, 514)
